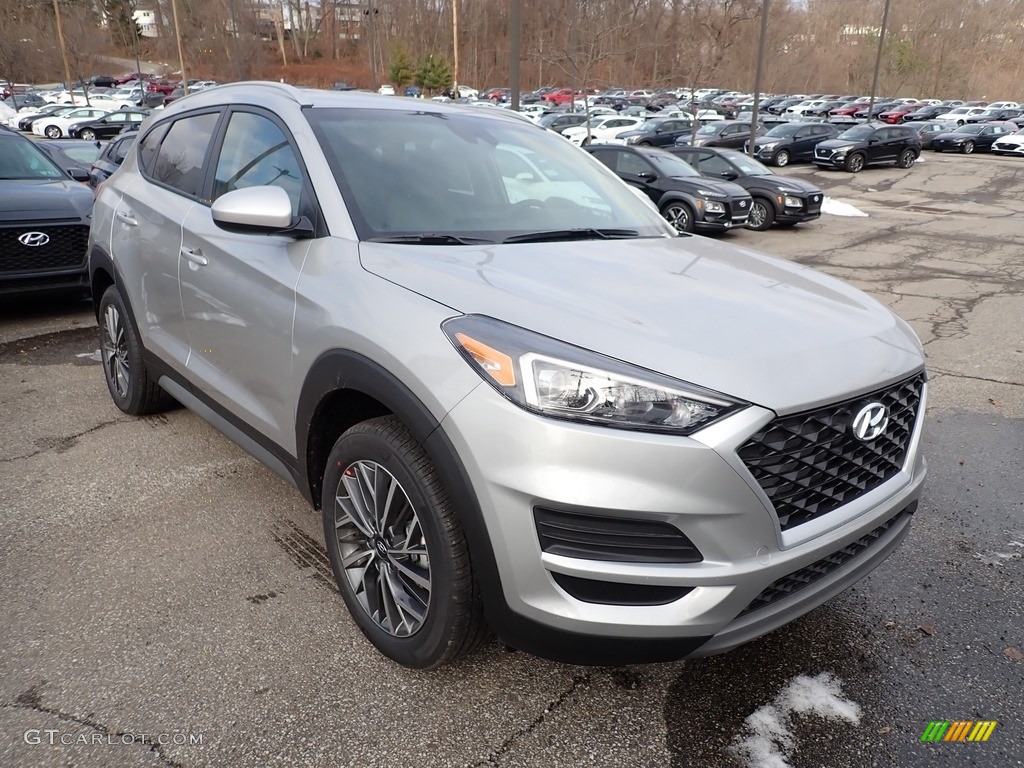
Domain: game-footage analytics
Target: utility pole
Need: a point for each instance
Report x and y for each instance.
(455, 48)
(63, 51)
(878, 61)
(515, 33)
(181, 52)
(757, 78)
(234, 36)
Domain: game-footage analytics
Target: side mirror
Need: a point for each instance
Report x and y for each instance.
(647, 176)
(258, 210)
(78, 174)
(730, 175)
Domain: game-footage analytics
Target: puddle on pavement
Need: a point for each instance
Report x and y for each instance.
(57, 348)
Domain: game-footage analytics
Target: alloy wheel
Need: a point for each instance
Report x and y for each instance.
(758, 214)
(678, 216)
(88, 134)
(52, 131)
(382, 548)
(968, 148)
(782, 159)
(115, 351)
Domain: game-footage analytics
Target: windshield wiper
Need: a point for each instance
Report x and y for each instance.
(431, 239)
(583, 233)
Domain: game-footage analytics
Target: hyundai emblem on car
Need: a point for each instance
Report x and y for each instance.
(34, 239)
(870, 422)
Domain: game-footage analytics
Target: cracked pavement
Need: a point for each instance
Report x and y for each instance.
(157, 580)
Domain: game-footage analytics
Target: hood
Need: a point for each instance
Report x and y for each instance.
(953, 138)
(1011, 139)
(718, 186)
(28, 200)
(764, 330)
(760, 141)
(783, 184)
(838, 143)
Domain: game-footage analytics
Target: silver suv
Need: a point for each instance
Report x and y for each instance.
(520, 399)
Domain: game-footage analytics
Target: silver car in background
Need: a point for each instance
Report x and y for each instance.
(520, 400)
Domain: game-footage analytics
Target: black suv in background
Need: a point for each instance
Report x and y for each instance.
(658, 132)
(782, 200)
(869, 144)
(44, 221)
(687, 200)
(558, 122)
(791, 142)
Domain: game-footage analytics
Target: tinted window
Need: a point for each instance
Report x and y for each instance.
(149, 145)
(713, 165)
(631, 164)
(119, 151)
(179, 162)
(257, 153)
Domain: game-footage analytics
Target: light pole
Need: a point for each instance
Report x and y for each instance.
(757, 78)
(515, 33)
(878, 61)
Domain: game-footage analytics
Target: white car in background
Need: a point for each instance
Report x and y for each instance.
(56, 127)
(960, 114)
(602, 127)
(1004, 105)
(798, 109)
(1010, 145)
(386, 90)
(465, 92)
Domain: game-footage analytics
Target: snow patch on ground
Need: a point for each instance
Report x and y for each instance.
(767, 739)
(838, 208)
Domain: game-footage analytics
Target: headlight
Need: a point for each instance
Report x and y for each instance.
(769, 145)
(712, 207)
(560, 381)
(793, 202)
(842, 152)
(632, 139)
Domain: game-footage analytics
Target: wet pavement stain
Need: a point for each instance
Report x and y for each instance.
(57, 348)
(305, 551)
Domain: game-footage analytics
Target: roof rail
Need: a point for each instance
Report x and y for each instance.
(283, 89)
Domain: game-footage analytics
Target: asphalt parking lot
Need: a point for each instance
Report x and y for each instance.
(157, 582)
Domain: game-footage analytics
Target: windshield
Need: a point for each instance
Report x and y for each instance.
(671, 165)
(859, 133)
(747, 166)
(784, 130)
(971, 129)
(469, 176)
(19, 159)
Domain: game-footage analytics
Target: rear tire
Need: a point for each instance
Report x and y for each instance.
(397, 550)
(907, 159)
(130, 384)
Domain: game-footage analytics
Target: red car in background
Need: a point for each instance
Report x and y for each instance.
(896, 114)
(847, 111)
(160, 86)
(563, 96)
(127, 77)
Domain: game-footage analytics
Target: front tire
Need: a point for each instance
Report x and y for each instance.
(88, 134)
(781, 158)
(679, 215)
(967, 147)
(762, 214)
(397, 549)
(52, 132)
(131, 387)
(854, 163)
(907, 158)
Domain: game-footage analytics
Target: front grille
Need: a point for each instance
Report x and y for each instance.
(814, 203)
(794, 582)
(613, 539)
(65, 250)
(810, 463)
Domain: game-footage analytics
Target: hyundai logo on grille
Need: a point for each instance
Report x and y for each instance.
(743, 203)
(870, 422)
(34, 239)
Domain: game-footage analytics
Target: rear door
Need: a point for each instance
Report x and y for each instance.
(238, 290)
(146, 235)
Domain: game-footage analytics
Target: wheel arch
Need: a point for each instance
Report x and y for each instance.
(345, 387)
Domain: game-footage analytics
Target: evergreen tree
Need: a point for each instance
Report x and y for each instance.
(433, 74)
(401, 71)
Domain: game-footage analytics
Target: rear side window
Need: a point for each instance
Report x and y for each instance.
(149, 145)
(179, 161)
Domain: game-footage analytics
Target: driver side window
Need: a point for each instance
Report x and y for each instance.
(632, 165)
(255, 153)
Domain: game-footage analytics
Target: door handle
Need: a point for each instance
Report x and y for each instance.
(127, 217)
(195, 256)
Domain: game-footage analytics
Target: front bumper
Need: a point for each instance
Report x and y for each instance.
(808, 211)
(697, 484)
(829, 158)
(735, 215)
